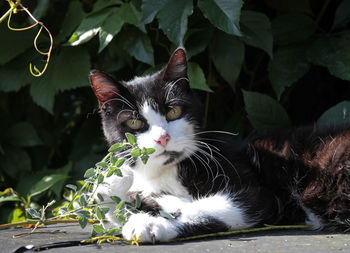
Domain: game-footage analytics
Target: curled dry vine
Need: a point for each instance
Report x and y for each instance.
(15, 7)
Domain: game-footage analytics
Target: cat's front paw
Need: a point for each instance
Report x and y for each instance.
(149, 228)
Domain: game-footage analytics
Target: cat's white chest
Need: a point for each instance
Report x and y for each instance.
(166, 181)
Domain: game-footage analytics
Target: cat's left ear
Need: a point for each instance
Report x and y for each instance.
(177, 66)
(105, 88)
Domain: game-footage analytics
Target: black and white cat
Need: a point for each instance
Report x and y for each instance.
(208, 181)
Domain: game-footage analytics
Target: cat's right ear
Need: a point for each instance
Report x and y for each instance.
(104, 87)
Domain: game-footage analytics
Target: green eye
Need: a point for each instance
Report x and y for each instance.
(135, 124)
(174, 113)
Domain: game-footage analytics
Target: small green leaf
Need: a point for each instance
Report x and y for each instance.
(110, 172)
(118, 173)
(166, 215)
(113, 231)
(116, 147)
(102, 164)
(120, 162)
(82, 200)
(100, 179)
(83, 213)
(82, 222)
(98, 229)
(72, 187)
(150, 151)
(32, 212)
(131, 138)
(120, 206)
(100, 197)
(99, 213)
(138, 201)
(136, 152)
(115, 199)
(90, 173)
(144, 159)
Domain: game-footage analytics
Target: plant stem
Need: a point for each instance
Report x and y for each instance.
(8, 13)
(33, 221)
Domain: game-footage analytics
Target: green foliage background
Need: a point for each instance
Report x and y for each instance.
(257, 64)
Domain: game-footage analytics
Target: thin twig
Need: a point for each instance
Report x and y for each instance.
(38, 232)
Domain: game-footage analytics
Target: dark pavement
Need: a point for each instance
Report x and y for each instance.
(283, 241)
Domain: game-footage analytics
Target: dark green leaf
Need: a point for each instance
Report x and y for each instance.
(72, 187)
(264, 112)
(45, 184)
(100, 197)
(110, 27)
(339, 113)
(33, 213)
(90, 173)
(67, 70)
(82, 222)
(172, 19)
(287, 67)
(166, 215)
(82, 200)
(83, 213)
(14, 43)
(150, 9)
(228, 55)
(197, 39)
(98, 229)
(196, 77)
(41, 9)
(14, 161)
(101, 4)
(332, 52)
(224, 14)
(118, 173)
(120, 162)
(115, 199)
(144, 159)
(131, 138)
(99, 213)
(102, 164)
(100, 179)
(110, 172)
(23, 134)
(138, 201)
(129, 13)
(9, 199)
(257, 31)
(292, 27)
(342, 15)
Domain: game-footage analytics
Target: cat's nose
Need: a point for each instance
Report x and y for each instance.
(163, 140)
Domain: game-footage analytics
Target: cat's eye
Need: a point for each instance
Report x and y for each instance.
(174, 113)
(135, 124)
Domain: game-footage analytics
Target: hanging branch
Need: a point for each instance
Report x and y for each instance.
(14, 9)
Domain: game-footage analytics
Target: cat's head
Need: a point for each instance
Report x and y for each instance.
(160, 110)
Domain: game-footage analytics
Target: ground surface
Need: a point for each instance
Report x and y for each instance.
(270, 241)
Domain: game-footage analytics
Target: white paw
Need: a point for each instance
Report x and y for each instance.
(149, 228)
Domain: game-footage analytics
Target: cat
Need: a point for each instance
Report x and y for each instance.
(208, 181)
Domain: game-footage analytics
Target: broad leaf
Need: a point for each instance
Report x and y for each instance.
(150, 8)
(83, 222)
(45, 183)
(257, 31)
(197, 39)
(15, 161)
(129, 14)
(98, 229)
(101, 4)
(224, 14)
(227, 55)
(67, 70)
(23, 134)
(9, 199)
(292, 27)
(287, 67)
(332, 52)
(14, 43)
(110, 27)
(342, 15)
(339, 113)
(172, 19)
(196, 77)
(264, 112)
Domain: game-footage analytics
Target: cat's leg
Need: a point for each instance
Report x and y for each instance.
(219, 212)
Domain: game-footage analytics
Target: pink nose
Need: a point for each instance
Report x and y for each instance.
(163, 140)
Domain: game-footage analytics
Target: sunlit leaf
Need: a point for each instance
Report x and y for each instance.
(45, 184)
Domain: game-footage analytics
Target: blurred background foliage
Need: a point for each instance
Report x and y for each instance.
(257, 64)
